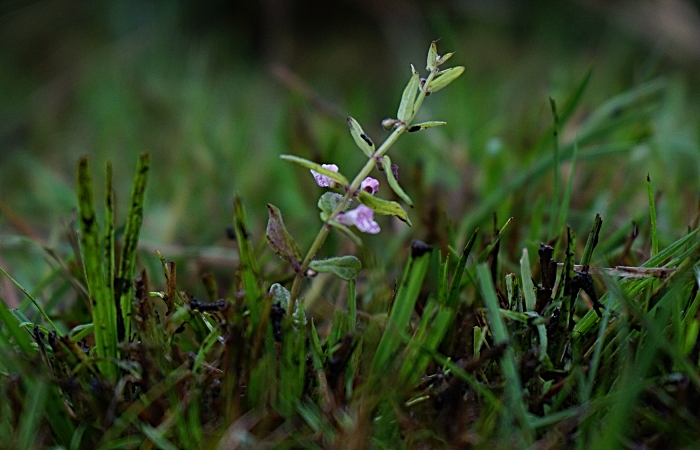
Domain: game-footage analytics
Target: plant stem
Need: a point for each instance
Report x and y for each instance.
(352, 189)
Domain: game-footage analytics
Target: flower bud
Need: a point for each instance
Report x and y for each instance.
(370, 185)
(323, 180)
(389, 123)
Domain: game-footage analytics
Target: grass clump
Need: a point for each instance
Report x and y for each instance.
(467, 349)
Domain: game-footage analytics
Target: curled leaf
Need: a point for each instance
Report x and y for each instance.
(345, 267)
(393, 182)
(335, 176)
(409, 97)
(446, 77)
(361, 139)
(279, 238)
(385, 207)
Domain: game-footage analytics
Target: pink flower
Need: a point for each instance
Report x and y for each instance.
(362, 217)
(323, 180)
(370, 185)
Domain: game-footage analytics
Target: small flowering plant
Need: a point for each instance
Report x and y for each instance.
(334, 206)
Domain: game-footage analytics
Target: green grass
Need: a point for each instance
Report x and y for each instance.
(105, 343)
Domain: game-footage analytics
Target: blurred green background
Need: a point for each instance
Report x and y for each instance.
(215, 91)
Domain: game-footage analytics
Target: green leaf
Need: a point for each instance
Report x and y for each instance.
(335, 176)
(423, 125)
(432, 57)
(279, 238)
(409, 97)
(328, 202)
(385, 207)
(361, 139)
(345, 267)
(443, 59)
(393, 182)
(445, 77)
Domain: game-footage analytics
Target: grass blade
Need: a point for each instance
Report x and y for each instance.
(508, 363)
(592, 240)
(109, 260)
(33, 300)
(411, 282)
(652, 216)
(125, 277)
(32, 413)
(453, 296)
(155, 436)
(556, 211)
(104, 313)
(352, 306)
(211, 339)
(566, 200)
(528, 285)
(248, 264)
